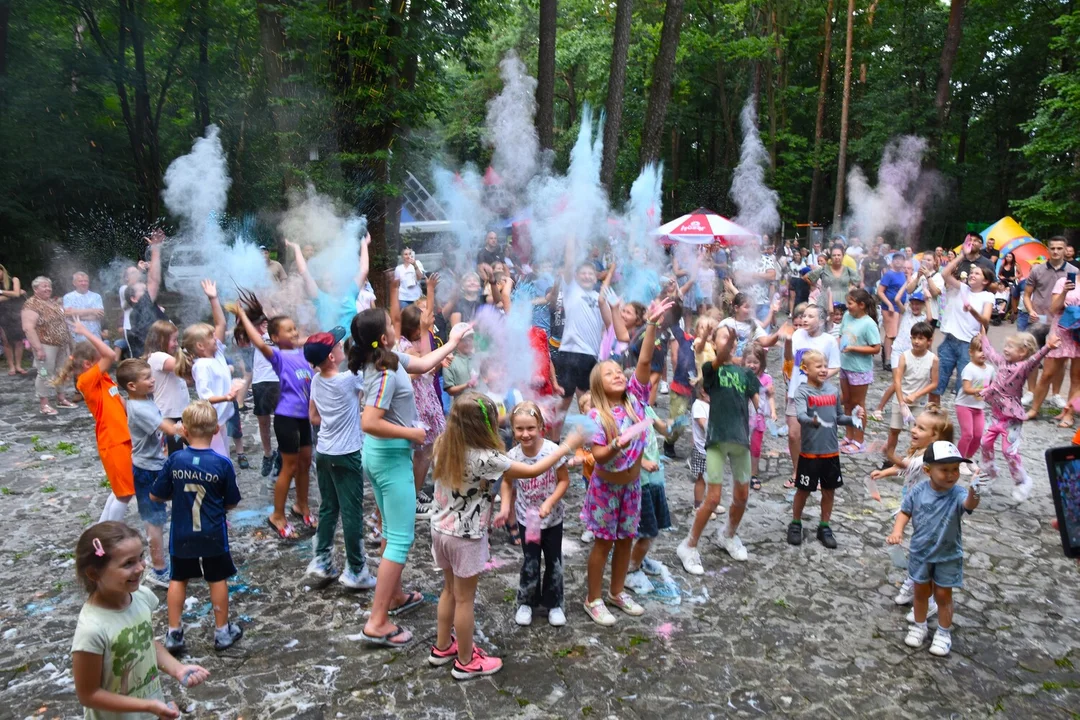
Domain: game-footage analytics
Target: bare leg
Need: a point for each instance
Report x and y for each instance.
(797, 505)
(794, 442)
(597, 562)
(281, 488)
(704, 513)
(845, 399)
(923, 591)
(387, 589)
(156, 535)
(421, 463)
(620, 563)
(464, 620)
(740, 494)
(445, 613)
(175, 600)
(1046, 378)
(219, 598)
(637, 555)
(827, 498)
(943, 596)
(264, 433)
(857, 397)
(303, 479)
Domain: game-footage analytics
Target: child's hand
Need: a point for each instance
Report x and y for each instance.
(574, 440)
(575, 461)
(459, 331)
(366, 240)
(502, 517)
(162, 710)
(210, 288)
(893, 539)
(192, 675)
(876, 474)
(649, 466)
(157, 237)
(417, 435)
(909, 400)
(78, 327)
(546, 508)
(1054, 341)
(815, 421)
(773, 414)
(657, 308)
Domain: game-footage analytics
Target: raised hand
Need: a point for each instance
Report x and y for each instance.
(657, 309)
(156, 237)
(459, 331)
(210, 288)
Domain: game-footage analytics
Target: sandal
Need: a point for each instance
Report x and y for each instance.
(515, 535)
(853, 448)
(877, 416)
(412, 600)
(21, 371)
(1066, 422)
(789, 484)
(11, 372)
(48, 410)
(388, 640)
(308, 520)
(285, 533)
(755, 483)
(65, 404)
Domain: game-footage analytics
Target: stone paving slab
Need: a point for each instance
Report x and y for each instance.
(795, 632)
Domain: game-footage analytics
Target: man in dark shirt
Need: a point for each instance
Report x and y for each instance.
(873, 265)
(490, 254)
(975, 256)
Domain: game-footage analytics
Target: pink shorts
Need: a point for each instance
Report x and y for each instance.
(755, 443)
(461, 556)
(857, 378)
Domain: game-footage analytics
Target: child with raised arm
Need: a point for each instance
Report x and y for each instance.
(115, 661)
(90, 362)
(147, 428)
(936, 555)
(201, 484)
(818, 408)
(469, 461)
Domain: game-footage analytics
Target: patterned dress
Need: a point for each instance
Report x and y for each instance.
(428, 407)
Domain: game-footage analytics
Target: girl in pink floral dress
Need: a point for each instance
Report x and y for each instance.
(613, 499)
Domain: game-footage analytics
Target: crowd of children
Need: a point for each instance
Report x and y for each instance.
(402, 390)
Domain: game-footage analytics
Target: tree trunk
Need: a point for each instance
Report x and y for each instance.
(819, 125)
(676, 167)
(616, 84)
(841, 162)
(660, 90)
(725, 114)
(948, 57)
(283, 112)
(5, 15)
(545, 75)
(202, 76)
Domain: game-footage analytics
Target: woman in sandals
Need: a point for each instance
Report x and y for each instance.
(45, 327)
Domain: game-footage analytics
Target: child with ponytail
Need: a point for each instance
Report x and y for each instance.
(171, 395)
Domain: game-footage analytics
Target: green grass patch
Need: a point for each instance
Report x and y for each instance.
(5, 491)
(48, 489)
(1064, 662)
(103, 482)
(67, 448)
(571, 652)
(38, 445)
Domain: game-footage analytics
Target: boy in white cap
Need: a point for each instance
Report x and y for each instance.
(936, 555)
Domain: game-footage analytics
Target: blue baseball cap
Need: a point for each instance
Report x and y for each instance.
(917, 295)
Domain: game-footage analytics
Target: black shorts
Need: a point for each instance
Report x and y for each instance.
(214, 569)
(292, 433)
(818, 470)
(655, 515)
(572, 371)
(266, 396)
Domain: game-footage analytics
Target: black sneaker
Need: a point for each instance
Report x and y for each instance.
(423, 504)
(267, 465)
(242, 461)
(277, 463)
(794, 534)
(824, 534)
(228, 638)
(669, 451)
(174, 641)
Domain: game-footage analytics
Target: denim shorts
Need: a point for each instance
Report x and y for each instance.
(654, 511)
(151, 511)
(948, 574)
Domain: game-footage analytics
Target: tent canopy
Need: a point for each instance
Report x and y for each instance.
(704, 227)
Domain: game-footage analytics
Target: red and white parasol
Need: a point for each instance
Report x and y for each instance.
(704, 227)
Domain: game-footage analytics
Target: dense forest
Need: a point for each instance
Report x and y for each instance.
(98, 96)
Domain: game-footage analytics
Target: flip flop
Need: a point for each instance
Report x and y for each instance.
(413, 599)
(1066, 423)
(285, 533)
(852, 448)
(387, 640)
(755, 483)
(65, 404)
(21, 371)
(11, 372)
(308, 520)
(515, 535)
(789, 484)
(49, 410)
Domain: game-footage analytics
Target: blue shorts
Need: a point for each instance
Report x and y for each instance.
(150, 511)
(948, 574)
(654, 511)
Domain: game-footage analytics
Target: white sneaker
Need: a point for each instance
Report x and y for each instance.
(556, 617)
(906, 593)
(663, 387)
(691, 558)
(733, 545)
(931, 611)
(1058, 401)
(1022, 491)
(158, 578)
(1027, 398)
(587, 536)
(523, 615)
(639, 583)
(916, 635)
(942, 643)
(363, 580)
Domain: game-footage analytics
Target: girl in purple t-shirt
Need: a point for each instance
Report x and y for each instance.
(291, 424)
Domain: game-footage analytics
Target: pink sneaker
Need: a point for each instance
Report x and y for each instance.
(438, 657)
(480, 666)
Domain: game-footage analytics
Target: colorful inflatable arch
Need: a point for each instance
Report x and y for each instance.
(1006, 236)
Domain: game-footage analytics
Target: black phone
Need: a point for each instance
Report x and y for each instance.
(1071, 277)
(1063, 467)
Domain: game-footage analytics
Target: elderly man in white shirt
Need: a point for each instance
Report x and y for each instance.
(85, 305)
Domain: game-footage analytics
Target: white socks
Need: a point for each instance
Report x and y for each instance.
(113, 510)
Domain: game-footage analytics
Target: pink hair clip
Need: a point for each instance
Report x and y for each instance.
(98, 549)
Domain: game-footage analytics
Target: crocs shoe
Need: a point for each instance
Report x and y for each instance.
(599, 613)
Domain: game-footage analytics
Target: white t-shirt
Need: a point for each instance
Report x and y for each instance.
(699, 411)
(979, 377)
(261, 369)
(409, 283)
(532, 492)
(338, 401)
(903, 333)
(170, 391)
(957, 321)
(801, 341)
(213, 379)
(126, 307)
(583, 326)
(745, 333)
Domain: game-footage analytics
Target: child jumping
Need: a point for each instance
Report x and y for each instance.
(817, 405)
(90, 362)
(147, 456)
(469, 461)
(936, 555)
(542, 494)
(115, 661)
(201, 483)
(1020, 356)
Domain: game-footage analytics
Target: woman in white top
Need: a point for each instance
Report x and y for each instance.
(409, 274)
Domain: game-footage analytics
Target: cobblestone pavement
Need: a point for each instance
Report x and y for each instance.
(803, 631)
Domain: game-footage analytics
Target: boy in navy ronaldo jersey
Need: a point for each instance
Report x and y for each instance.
(202, 486)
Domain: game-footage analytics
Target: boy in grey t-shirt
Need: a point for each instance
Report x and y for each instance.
(147, 456)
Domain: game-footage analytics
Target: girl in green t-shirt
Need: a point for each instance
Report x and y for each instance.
(860, 341)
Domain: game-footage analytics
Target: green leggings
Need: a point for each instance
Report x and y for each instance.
(733, 454)
(341, 487)
(389, 467)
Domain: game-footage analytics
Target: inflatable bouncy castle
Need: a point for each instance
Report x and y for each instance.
(1006, 236)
